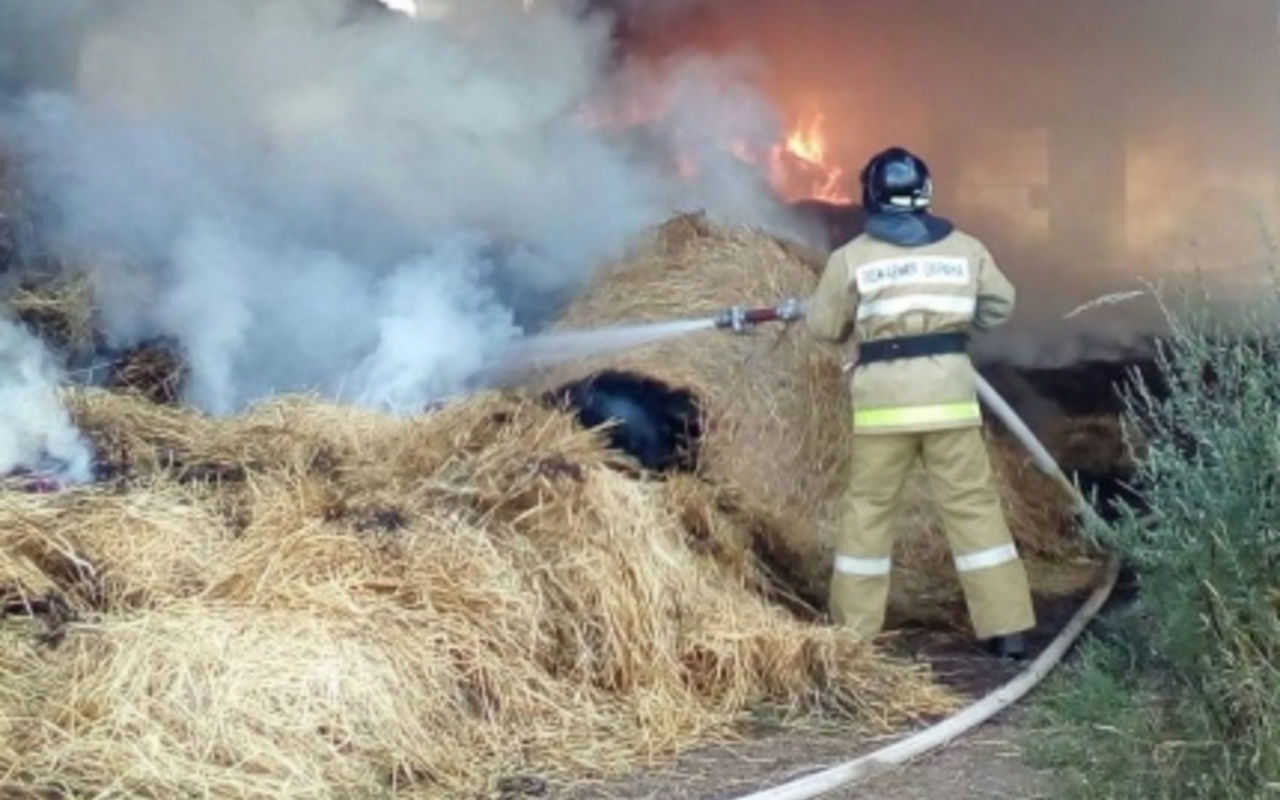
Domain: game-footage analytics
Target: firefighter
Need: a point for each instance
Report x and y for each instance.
(909, 289)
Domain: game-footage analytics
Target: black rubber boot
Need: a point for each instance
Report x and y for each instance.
(1012, 647)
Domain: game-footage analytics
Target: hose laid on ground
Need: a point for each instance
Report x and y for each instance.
(935, 736)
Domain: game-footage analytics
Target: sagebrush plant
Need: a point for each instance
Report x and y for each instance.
(1181, 695)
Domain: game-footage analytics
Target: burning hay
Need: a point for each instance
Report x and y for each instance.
(314, 601)
(775, 409)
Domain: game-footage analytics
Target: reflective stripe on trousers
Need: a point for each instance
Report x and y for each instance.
(963, 484)
(986, 559)
(970, 562)
(891, 417)
(865, 567)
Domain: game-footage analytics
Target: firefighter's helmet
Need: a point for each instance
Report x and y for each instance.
(896, 180)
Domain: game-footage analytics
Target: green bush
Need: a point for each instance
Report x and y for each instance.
(1179, 695)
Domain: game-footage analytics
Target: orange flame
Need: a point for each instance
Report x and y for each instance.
(798, 167)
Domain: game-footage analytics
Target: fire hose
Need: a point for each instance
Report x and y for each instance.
(737, 318)
(938, 735)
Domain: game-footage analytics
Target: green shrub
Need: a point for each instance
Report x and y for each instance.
(1179, 697)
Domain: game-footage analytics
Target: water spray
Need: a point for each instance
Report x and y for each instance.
(554, 347)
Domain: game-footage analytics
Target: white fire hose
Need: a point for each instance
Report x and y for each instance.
(935, 736)
(1038, 452)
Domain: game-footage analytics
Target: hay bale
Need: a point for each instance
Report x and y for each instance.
(774, 403)
(436, 604)
(776, 408)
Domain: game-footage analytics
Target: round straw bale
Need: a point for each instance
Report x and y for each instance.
(775, 403)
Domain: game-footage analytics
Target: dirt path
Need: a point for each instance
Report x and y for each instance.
(985, 764)
(988, 764)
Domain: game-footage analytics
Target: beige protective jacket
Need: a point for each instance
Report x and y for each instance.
(872, 290)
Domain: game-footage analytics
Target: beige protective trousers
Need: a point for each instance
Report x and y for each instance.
(962, 484)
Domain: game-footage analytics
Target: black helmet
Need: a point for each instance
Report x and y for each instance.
(896, 181)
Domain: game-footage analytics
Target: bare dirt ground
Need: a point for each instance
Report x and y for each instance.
(985, 764)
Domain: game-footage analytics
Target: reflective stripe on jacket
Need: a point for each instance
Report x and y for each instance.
(873, 290)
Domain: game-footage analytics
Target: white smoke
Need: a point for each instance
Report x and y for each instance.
(312, 196)
(36, 433)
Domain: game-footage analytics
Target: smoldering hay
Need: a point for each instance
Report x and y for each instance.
(312, 600)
